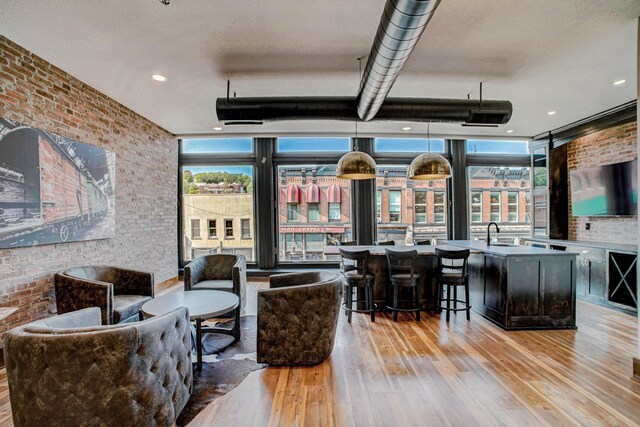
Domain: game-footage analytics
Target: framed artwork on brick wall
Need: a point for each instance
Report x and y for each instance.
(53, 189)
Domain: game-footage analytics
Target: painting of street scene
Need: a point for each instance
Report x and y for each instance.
(53, 189)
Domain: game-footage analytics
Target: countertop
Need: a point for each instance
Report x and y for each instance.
(602, 245)
(475, 246)
(512, 250)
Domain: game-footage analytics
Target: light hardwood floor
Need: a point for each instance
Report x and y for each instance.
(431, 374)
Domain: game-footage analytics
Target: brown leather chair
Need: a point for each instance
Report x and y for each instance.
(118, 292)
(220, 272)
(70, 370)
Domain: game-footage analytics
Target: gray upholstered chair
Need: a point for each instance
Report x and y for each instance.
(118, 292)
(297, 318)
(219, 272)
(70, 370)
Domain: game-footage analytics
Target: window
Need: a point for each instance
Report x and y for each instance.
(245, 228)
(476, 206)
(293, 211)
(419, 221)
(512, 206)
(494, 206)
(195, 229)
(335, 213)
(314, 242)
(505, 193)
(408, 145)
(305, 144)
(213, 232)
(420, 206)
(310, 209)
(497, 147)
(217, 145)
(313, 212)
(438, 207)
(395, 206)
(216, 196)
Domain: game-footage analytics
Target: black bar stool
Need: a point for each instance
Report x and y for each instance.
(452, 272)
(348, 265)
(385, 243)
(358, 278)
(403, 275)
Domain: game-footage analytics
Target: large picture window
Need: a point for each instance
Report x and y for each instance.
(409, 213)
(313, 211)
(218, 197)
(499, 194)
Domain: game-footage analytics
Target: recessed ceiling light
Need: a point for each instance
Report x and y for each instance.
(406, 128)
(217, 128)
(552, 112)
(159, 77)
(619, 82)
(509, 130)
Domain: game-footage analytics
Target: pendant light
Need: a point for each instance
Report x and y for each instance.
(429, 166)
(356, 164)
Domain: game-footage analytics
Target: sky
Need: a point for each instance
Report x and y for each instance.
(404, 145)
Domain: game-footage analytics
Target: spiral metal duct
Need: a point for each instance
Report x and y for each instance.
(401, 25)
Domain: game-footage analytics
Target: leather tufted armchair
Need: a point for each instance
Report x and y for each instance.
(219, 272)
(297, 318)
(69, 370)
(118, 292)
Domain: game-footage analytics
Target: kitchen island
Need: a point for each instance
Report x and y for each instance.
(522, 287)
(516, 287)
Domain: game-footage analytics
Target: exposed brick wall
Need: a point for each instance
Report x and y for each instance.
(38, 94)
(616, 144)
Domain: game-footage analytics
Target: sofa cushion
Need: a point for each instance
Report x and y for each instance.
(223, 285)
(125, 306)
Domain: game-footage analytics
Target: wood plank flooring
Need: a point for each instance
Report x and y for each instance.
(461, 374)
(431, 373)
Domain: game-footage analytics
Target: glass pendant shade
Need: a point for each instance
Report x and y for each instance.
(356, 165)
(429, 166)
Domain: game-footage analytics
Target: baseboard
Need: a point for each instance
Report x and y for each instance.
(159, 287)
(636, 369)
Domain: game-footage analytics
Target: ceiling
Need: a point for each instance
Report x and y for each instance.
(542, 55)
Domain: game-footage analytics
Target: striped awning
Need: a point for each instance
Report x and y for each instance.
(293, 194)
(334, 194)
(313, 194)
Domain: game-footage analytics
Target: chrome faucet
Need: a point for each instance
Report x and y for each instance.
(489, 229)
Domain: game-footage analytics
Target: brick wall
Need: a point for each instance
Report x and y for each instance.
(616, 144)
(38, 94)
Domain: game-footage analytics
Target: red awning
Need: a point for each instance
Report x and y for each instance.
(293, 194)
(334, 194)
(313, 194)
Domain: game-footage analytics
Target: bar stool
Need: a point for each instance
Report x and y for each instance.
(402, 275)
(358, 278)
(385, 243)
(348, 265)
(452, 272)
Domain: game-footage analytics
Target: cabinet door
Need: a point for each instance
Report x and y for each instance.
(583, 270)
(495, 283)
(598, 274)
(558, 294)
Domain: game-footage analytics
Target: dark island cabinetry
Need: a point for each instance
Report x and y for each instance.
(606, 272)
(523, 288)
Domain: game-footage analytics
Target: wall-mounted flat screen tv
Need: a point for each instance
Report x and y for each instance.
(607, 190)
